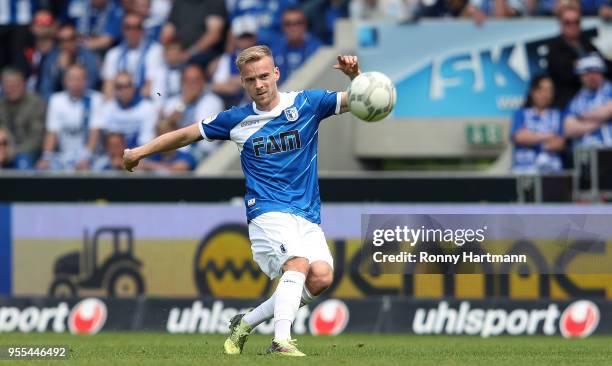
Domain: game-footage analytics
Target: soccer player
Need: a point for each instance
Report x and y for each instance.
(277, 139)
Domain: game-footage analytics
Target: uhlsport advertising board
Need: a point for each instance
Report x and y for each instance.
(485, 318)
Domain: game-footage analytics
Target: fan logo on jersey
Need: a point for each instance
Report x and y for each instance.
(579, 319)
(87, 317)
(291, 114)
(329, 318)
(275, 144)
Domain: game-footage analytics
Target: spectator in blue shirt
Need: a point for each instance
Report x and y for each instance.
(97, 21)
(605, 11)
(589, 119)
(44, 31)
(141, 58)
(113, 156)
(129, 113)
(67, 53)
(268, 13)
(537, 131)
(171, 161)
(296, 46)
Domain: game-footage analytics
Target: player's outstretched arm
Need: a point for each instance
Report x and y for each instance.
(166, 142)
(349, 65)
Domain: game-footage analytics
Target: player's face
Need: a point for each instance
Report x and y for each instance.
(259, 80)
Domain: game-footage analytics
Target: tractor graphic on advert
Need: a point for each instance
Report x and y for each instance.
(84, 274)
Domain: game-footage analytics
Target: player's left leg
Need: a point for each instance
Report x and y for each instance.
(276, 249)
(320, 273)
(319, 278)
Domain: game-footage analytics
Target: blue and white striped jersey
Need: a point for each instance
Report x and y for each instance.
(531, 159)
(19, 12)
(278, 150)
(584, 101)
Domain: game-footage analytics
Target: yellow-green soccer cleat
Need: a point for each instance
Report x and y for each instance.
(239, 332)
(286, 348)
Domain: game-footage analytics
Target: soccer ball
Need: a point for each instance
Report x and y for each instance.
(371, 96)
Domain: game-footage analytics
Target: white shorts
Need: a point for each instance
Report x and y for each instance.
(278, 236)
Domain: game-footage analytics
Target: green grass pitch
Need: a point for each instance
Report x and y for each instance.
(354, 349)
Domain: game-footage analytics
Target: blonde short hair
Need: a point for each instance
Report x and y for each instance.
(252, 54)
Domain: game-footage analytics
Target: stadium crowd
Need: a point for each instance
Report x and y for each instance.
(83, 79)
(569, 107)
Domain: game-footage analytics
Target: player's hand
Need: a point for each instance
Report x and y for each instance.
(130, 160)
(349, 65)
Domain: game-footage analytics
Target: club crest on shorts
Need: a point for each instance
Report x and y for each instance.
(283, 249)
(291, 114)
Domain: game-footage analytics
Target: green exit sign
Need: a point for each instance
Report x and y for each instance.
(483, 134)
